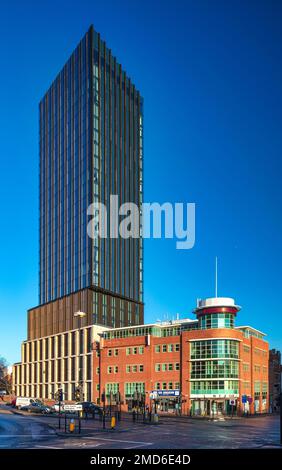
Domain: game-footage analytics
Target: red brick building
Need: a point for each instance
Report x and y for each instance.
(275, 371)
(201, 366)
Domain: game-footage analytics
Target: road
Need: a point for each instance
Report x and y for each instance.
(25, 431)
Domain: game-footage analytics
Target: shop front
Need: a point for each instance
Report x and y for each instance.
(165, 401)
(213, 406)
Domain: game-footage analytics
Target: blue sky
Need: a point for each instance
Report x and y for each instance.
(210, 74)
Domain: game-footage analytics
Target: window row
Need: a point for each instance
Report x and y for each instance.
(214, 369)
(164, 367)
(134, 368)
(135, 350)
(214, 348)
(215, 386)
(167, 386)
(216, 320)
(167, 348)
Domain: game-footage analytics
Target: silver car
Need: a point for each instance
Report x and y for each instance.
(37, 408)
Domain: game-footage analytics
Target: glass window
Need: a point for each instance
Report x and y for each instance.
(132, 387)
(214, 349)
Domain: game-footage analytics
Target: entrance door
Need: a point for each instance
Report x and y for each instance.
(220, 407)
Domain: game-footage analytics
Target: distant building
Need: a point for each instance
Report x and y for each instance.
(274, 379)
(203, 367)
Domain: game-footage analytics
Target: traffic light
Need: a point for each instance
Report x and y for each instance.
(103, 397)
(60, 394)
(77, 394)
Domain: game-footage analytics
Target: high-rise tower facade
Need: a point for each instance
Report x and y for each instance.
(91, 123)
(91, 147)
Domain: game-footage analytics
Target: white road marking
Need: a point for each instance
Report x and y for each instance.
(28, 436)
(140, 445)
(118, 440)
(49, 447)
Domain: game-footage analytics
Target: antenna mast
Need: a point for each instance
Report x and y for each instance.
(216, 276)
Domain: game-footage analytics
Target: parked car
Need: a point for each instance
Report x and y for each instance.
(36, 407)
(56, 407)
(90, 408)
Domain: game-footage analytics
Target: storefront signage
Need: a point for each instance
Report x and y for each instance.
(166, 393)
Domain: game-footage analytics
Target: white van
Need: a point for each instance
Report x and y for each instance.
(23, 401)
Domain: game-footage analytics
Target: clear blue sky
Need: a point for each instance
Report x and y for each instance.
(210, 74)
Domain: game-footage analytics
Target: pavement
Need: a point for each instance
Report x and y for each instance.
(22, 430)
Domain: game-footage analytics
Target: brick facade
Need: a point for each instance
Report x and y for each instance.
(111, 362)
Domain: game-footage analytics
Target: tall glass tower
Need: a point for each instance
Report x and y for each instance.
(91, 147)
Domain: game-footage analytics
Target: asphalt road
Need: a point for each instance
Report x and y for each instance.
(25, 431)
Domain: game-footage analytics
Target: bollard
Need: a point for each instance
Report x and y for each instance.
(72, 425)
(155, 418)
(113, 422)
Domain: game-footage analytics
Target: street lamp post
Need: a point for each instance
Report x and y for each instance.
(280, 406)
(80, 315)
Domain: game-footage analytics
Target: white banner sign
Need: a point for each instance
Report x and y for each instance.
(72, 407)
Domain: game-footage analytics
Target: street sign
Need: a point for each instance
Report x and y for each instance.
(153, 395)
(244, 399)
(72, 407)
(232, 402)
(249, 399)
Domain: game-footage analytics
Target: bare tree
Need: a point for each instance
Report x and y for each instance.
(5, 377)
